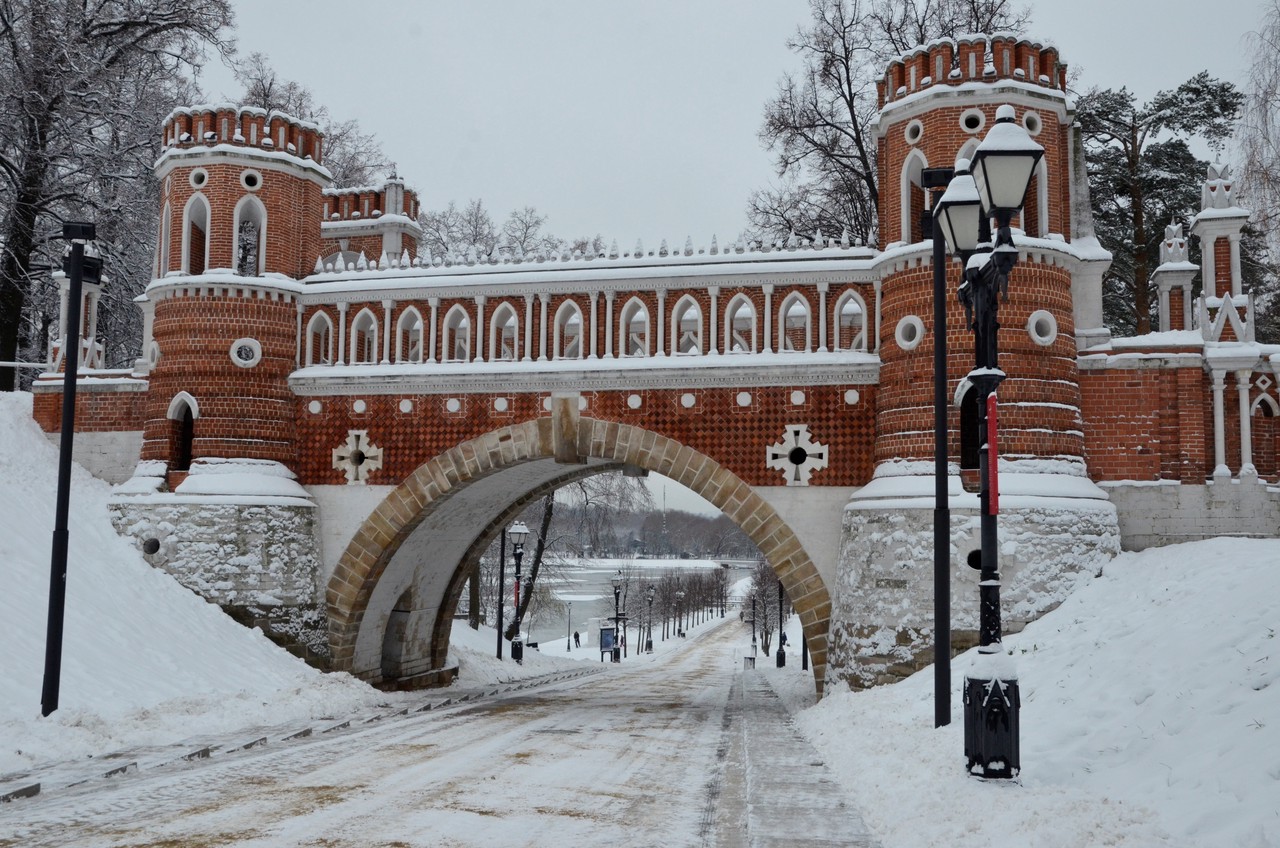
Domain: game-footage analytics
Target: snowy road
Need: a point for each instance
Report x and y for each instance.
(648, 753)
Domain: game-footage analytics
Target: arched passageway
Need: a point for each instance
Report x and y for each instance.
(425, 535)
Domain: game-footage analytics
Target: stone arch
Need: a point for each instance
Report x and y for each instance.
(356, 640)
(250, 230)
(911, 195)
(196, 216)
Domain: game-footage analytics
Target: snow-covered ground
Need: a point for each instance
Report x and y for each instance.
(1150, 712)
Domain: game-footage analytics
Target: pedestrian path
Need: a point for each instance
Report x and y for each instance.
(777, 791)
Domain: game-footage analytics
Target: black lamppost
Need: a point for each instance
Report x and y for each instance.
(956, 224)
(617, 617)
(753, 624)
(502, 584)
(648, 642)
(79, 268)
(781, 657)
(518, 533)
(1003, 166)
(680, 612)
(568, 631)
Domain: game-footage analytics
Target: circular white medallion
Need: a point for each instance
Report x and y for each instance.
(314, 407)
(909, 332)
(687, 400)
(582, 403)
(1042, 327)
(797, 398)
(634, 401)
(546, 403)
(359, 406)
(406, 405)
(246, 352)
(501, 404)
(851, 397)
(744, 398)
(453, 405)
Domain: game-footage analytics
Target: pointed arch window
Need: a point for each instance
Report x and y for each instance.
(912, 197)
(319, 340)
(740, 325)
(851, 323)
(794, 327)
(364, 339)
(504, 335)
(457, 335)
(409, 336)
(195, 235)
(182, 414)
(251, 236)
(686, 326)
(633, 327)
(568, 332)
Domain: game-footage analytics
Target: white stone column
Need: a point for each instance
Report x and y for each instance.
(1246, 426)
(542, 333)
(342, 334)
(662, 322)
(822, 316)
(1164, 309)
(768, 319)
(1207, 272)
(591, 351)
(435, 308)
(528, 328)
(876, 348)
(386, 332)
(713, 346)
(1219, 437)
(608, 325)
(479, 328)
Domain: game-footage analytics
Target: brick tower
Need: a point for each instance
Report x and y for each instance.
(937, 103)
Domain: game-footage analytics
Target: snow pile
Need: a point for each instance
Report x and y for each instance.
(1150, 716)
(475, 652)
(144, 660)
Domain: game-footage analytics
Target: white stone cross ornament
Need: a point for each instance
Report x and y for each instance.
(799, 459)
(357, 457)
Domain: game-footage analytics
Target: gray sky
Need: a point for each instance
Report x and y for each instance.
(638, 119)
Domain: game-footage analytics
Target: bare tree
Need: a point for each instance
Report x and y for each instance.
(454, 231)
(819, 123)
(67, 119)
(354, 157)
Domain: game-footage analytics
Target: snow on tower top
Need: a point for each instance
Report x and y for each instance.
(972, 58)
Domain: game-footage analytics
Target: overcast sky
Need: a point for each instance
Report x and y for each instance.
(638, 119)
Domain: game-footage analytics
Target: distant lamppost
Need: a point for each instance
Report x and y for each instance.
(753, 624)
(1002, 169)
(79, 269)
(648, 642)
(957, 225)
(568, 630)
(617, 616)
(502, 584)
(781, 657)
(680, 612)
(518, 533)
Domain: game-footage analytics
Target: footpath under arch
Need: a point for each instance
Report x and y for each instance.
(506, 468)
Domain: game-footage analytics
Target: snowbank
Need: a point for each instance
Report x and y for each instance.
(1150, 717)
(144, 660)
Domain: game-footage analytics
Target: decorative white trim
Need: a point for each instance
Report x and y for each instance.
(913, 165)
(198, 178)
(678, 313)
(240, 347)
(737, 302)
(909, 332)
(783, 337)
(180, 400)
(261, 217)
(797, 455)
(913, 132)
(195, 200)
(251, 179)
(326, 358)
(965, 123)
(1042, 327)
(370, 330)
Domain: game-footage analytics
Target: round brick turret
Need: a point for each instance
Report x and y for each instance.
(937, 104)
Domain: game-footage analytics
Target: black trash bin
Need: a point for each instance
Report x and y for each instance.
(782, 657)
(517, 650)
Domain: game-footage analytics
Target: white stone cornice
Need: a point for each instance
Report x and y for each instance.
(732, 374)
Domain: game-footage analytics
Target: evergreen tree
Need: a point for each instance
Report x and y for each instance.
(1143, 175)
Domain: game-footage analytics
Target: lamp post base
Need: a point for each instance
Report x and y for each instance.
(991, 728)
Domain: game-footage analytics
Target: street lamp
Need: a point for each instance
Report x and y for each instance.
(79, 269)
(617, 618)
(753, 624)
(781, 657)
(518, 533)
(568, 631)
(957, 220)
(680, 612)
(649, 594)
(1003, 166)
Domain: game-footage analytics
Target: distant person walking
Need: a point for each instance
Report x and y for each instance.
(577, 643)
